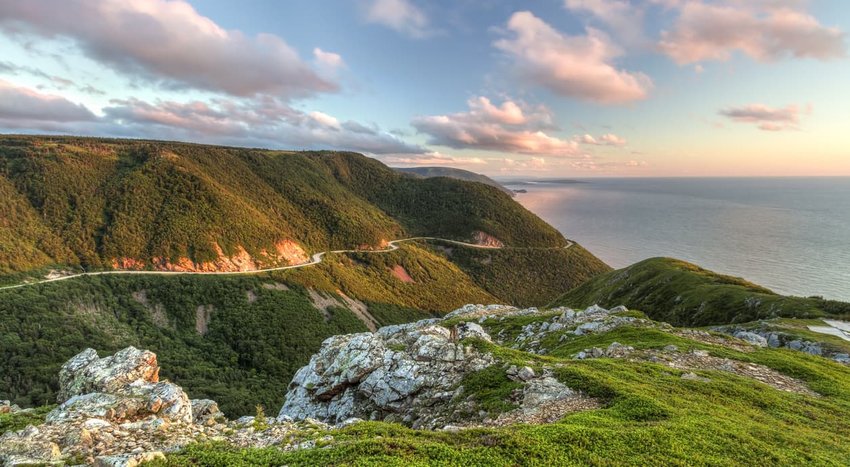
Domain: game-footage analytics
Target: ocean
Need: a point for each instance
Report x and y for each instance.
(791, 235)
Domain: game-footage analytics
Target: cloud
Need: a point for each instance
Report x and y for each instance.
(510, 127)
(575, 66)
(264, 122)
(170, 43)
(432, 158)
(608, 139)
(328, 59)
(25, 108)
(612, 140)
(767, 118)
(621, 17)
(763, 30)
(399, 15)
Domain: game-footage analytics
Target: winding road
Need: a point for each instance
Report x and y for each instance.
(314, 260)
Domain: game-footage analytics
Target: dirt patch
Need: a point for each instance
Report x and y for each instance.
(322, 303)
(700, 360)
(360, 310)
(251, 296)
(401, 274)
(275, 286)
(551, 413)
(707, 338)
(202, 318)
(485, 239)
(156, 312)
(444, 249)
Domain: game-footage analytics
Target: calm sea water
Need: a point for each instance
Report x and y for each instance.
(789, 234)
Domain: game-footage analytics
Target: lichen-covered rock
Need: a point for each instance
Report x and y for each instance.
(86, 373)
(204, 410)
(24, 448)
(128, 460)
(8, 407)
(120, 388)
(386, 375)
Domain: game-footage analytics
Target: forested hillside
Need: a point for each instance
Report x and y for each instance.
(90, 204)
(100, 204)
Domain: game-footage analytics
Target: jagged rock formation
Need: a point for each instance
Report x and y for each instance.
(122, 387)
(114, 411)
(412, 374)
(392, 374)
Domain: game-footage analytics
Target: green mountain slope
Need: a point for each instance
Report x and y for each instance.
(144, 204)
(235, 339)
(451, 172)
(685, 294)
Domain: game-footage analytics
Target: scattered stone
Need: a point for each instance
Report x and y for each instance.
(204, 410)
(694, 377)
(525, 373)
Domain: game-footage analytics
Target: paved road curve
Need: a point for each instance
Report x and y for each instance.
(315, 259)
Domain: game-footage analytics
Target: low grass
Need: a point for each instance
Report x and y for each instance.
(20, 420)
(650, 416)
(684, 294)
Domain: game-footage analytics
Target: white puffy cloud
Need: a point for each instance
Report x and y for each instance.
(764, 30)
(575, 66)
(399, 15)
(767, 118)
(509, 127)
(170, 43)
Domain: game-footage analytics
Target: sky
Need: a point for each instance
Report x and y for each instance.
(566, 88)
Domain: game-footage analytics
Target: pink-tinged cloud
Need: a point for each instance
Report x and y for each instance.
(767, 118)
(575, 66)
(328, 59)
(510, 127)
(22, 107)
(765, 31)
(399, 15)
(622, 18)
(431, 158)
(608, 139)
(170, 43)
(262, 122)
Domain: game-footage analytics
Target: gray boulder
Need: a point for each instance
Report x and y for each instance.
(120, 388)
(86, 373)
(402, 373)
(751, 338)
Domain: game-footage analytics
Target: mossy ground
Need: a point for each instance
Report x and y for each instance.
(650, 416)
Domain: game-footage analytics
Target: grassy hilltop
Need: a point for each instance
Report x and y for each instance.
(682, 293)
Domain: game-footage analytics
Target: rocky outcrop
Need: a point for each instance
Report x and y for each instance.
(765, 336)
(397, 373)
(114, 411)
(413, 374)
(485, 239)
(121, 387)
(285, 252)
